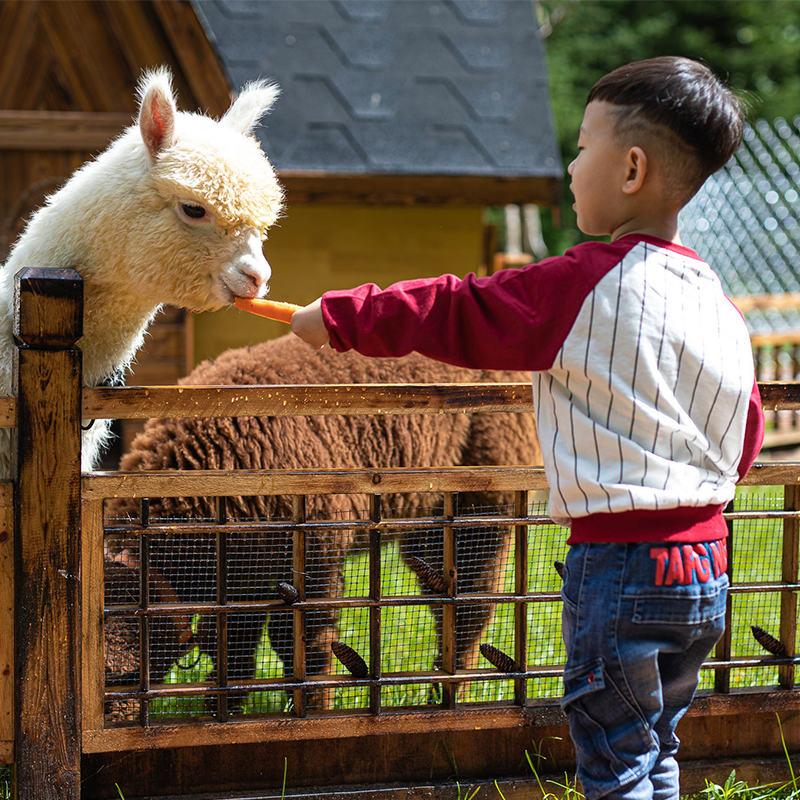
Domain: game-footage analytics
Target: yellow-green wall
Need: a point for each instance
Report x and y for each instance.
(317, 248)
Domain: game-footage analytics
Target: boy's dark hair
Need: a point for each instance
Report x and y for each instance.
(681, 96)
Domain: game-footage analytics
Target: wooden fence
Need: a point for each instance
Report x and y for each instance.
(53, 692)
(777, 358)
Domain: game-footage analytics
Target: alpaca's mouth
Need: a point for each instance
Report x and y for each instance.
(229, 289)
(241, 283)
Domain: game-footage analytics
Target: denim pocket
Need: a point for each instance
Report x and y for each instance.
(689, 605)
(581, 680)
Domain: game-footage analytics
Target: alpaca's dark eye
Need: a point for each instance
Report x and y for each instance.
(193, 211)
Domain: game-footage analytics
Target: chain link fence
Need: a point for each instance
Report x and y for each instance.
(744, 222)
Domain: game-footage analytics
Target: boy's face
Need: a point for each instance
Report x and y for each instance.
(598, 172)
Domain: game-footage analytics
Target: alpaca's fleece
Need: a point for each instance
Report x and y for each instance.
(174, 211)
(257, 563)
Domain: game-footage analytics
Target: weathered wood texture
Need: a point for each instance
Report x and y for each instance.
(59, 130)
(766, 772)
(92, 663)
(141, 402)
(414, 756)
(85, 56)
(216, 483)
(789, 574)
(7, 716)
(48, 322)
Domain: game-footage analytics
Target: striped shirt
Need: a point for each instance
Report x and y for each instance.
(643, 380)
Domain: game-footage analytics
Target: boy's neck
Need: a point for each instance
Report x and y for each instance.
(661, 228)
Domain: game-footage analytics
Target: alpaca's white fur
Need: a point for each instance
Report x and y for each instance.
(121, 223)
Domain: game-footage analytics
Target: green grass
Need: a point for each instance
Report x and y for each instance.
(5, 782)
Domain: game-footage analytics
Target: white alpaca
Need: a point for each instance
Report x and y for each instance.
(174, 212)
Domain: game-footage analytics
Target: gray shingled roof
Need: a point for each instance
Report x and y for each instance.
(394, 87)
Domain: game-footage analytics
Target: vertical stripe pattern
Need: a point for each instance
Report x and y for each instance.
(645, 405)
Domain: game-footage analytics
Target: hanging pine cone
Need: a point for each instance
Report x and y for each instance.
(498, 658)
(352, 660)
(287, 592)
(559, 565)
(769, 643)
(428, 576)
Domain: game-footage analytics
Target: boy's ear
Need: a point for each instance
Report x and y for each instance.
(635, 170)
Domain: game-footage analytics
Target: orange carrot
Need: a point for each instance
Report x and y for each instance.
(272, 309)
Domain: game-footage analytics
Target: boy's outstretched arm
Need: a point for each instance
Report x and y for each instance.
(307, 323)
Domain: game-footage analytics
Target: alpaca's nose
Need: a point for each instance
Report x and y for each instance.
(258, 271)
(253, 267)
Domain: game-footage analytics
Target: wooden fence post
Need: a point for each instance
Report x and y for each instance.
(790, 563)
(48, 318)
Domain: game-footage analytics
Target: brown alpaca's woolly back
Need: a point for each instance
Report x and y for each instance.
(424, 440)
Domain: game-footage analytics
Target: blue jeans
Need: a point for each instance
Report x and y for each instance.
(638, 621)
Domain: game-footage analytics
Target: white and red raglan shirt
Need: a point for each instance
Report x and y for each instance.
(644, 389)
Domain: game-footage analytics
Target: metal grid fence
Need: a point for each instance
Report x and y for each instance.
(376, 623)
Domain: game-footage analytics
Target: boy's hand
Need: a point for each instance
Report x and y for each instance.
(307, 323)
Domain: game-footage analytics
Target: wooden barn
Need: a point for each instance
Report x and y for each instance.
(398, 124)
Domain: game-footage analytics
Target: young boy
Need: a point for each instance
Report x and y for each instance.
(646, 405)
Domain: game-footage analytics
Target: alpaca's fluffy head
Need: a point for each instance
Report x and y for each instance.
(211, 194)
(174, 211)
(220, 165)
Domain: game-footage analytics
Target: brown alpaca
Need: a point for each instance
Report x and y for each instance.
(258, 562)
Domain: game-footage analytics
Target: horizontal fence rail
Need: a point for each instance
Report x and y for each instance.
(145, 402)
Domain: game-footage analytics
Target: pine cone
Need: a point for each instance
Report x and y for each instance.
(769, 643)
(352, 660)
(498, 658)
(287, 592)
(428, 576)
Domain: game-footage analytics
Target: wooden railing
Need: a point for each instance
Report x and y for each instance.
(777, 358)
(52, 528)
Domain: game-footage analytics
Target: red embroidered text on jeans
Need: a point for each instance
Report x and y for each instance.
(681, 564)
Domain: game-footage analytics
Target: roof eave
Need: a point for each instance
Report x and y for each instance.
(325, 187)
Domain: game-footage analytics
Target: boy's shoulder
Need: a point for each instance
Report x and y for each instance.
(590, 261)
(567, 280)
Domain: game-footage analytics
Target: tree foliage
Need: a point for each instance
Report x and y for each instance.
(753, 44)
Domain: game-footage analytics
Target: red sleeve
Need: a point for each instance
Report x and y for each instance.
(514, 319)
(754, 432)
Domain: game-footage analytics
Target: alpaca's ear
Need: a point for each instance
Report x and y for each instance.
(252, 103)
(157, 111)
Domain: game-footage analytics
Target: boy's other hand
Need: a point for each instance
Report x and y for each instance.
(307, 323)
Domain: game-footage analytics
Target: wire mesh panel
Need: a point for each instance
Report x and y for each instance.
(227, 617)
(759, 643)
(378, 609)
